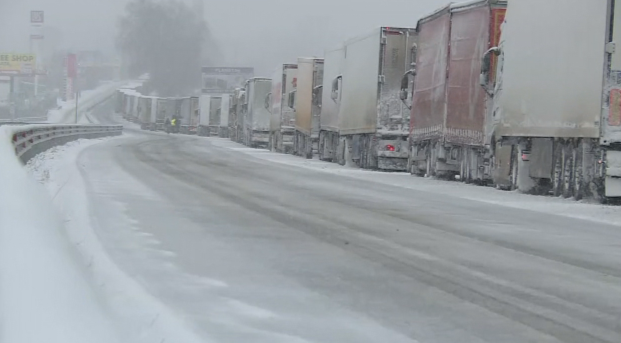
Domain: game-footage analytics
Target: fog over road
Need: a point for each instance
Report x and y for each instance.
(253, 251)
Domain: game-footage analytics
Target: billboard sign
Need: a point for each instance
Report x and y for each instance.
(37, 17)
(225, 79)
(17, 64)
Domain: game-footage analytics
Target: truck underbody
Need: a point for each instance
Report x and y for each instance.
(568, 167)
(305, 145)
(282, 140)
(470, 164)
(386, 150)
(257, 138)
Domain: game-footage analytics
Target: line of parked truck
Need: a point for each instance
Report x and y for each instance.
(518, 94)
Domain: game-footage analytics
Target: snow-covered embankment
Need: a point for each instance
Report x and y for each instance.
(57, 284)
(88, 99)
(44, 295)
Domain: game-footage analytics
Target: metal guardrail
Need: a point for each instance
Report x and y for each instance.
(25, 119)
(26, 138)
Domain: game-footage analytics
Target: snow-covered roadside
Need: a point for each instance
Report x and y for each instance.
(585, 209)
(138, 316)
(44, 294)
(66, 111)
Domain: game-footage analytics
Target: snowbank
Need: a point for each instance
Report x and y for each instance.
(89, 98)
(139, 317)
(44, 294)
(585, 209)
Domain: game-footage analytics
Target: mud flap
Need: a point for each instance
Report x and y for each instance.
(501, 173)
(613, 187)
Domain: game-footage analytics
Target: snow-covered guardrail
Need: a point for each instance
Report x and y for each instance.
(29, 140)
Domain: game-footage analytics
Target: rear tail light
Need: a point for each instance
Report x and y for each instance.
(390, 147)
(526, 156)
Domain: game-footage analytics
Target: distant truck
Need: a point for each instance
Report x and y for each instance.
(224, 113)
(209, 116)
(307, 102)
(556, 99)
(448, 119)
(329, 149)
(282, 125)
(187, 113)
(236, 115)
(256, 119)
(370, 128)
(214, 115)
(147, 109)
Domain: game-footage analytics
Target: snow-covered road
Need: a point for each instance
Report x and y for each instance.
(244, 245)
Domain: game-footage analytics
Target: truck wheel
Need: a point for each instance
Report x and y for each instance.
(514, 168)
(341, 152)
(466, 176)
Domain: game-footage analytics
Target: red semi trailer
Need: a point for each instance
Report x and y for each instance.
(448, 126)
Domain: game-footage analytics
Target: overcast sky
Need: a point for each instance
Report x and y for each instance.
(259, 33)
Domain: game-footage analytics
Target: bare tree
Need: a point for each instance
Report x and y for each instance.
(166, 40)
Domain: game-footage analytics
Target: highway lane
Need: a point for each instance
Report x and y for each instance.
(247, 250)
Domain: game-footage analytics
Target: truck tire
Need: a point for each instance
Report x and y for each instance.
(515, 170)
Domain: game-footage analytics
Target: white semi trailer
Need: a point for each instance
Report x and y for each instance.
(556, 100)
(282, 123)
(307, 102)
(371, 126)
(256, 115)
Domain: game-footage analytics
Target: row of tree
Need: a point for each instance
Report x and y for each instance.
(168, 40)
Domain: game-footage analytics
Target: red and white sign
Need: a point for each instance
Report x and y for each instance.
(72, 66)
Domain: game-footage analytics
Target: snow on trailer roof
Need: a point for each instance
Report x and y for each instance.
(442, 10)
(260, 79)
(310, 58)
(375, 31)
(469, 3)
(465, 5)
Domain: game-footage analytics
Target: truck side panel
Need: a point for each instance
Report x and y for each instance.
(162, 105)
(225, 106)
(144, 109)
(552, 75)
(288, 113)
(277, 80)
(153, 115)
(612, 105)
(214, 115)
(194, 111)
(185, 111)
(304, 96)
(204, 101)
(358, 112)
(258, 114)
(317, 94)
(465, 115)
(429, 100)
(333, 67)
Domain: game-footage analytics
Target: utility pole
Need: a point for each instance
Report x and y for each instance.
(77, 99)
(12, 97)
